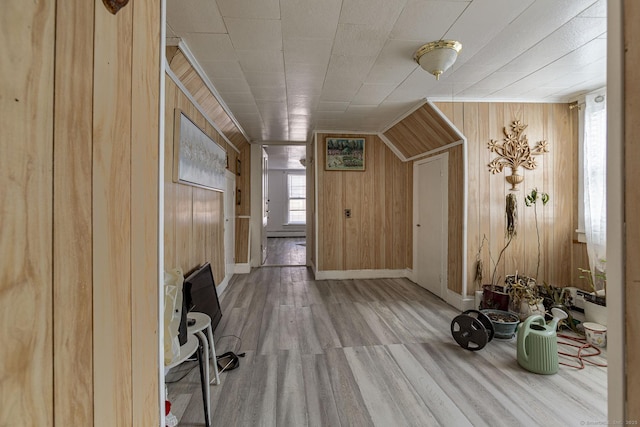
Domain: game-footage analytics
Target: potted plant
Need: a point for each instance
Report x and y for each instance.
(495, 296)
(595, 302)
(524, 298)
(555, 297)
(523, 290)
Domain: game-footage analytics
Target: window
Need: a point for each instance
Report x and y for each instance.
(593, 220)
(297, 192)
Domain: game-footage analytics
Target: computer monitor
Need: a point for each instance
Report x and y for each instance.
(200, 294)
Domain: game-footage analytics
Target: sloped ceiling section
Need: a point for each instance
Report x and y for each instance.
(193, 82)
(422, 131)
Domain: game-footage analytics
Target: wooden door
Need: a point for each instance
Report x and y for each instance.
(430, 223)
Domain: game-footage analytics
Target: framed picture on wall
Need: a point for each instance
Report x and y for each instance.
(197, 159)
(344, 154)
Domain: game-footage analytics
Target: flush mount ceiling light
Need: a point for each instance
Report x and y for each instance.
(437, 57)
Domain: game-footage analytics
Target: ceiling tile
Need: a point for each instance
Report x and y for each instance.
(266, 93)
(255, 78)
(242, 107)
(255, 34)
(214, 47)
(481, 21)
(572, 35)
(231, 85)
(307, 51)
(597, 10)
(333, 106)
(194, 16)
(310, 19)
(376, 13)
(305, 71)
(358, 40)
(372, 94)
(394, 63)
(261, 60)
(426, 20)
(221, 69)
(263, 9)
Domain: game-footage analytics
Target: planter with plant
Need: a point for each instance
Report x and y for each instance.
(523, 291)
(554, 297)
(494, 296)
(595, 302)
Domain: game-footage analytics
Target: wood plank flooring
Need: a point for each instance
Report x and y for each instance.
(369, 353)
(286, 251)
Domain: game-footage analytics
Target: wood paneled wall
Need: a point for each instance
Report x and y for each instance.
(193, 216)
(26, 236)
(631, 248)
(555, 123)
(79, 290)
(378, 234)
(197, 88)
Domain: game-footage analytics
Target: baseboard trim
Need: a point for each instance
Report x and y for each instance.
(223, 285)
(244, 268)
(360, 274)
(458, 301)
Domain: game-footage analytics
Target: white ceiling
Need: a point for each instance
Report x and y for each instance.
(287, 67)
(286, 157)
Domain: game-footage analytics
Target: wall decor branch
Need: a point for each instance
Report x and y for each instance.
(515, 152)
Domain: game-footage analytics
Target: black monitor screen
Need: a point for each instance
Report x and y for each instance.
(201, 295)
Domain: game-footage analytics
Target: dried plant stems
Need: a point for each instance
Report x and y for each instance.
(511, 213)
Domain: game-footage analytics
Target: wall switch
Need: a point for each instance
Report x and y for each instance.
(347, 213)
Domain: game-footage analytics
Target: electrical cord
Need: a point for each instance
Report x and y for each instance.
(229, 359)
(582, 357)
(232, 363)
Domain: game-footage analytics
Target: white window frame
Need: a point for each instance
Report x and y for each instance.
(289, 198)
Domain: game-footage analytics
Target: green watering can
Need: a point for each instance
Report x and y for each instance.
(538, 343)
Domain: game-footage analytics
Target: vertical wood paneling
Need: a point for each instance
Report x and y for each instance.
(242, 246)
(378, 234)
(353, 198)
(112, 216)
(379, 224)
(145, 148)
(72, 250)
(632, 206)
(480, 123)
(26, 108)
(474, 237)
(194, 217)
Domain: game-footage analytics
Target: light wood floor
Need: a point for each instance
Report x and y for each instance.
(370, 352)
(289, 251)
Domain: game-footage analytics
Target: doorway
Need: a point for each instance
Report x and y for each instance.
(286, 225)
(430, 205)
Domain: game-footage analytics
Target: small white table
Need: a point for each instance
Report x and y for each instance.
(203, 324)
(186, 351)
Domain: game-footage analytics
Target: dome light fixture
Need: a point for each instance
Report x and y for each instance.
(436, 57)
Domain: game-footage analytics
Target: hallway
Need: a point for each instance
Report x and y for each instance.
(286, 251)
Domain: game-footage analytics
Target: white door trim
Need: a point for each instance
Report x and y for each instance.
(444, 241)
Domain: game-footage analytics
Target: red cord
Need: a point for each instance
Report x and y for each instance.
(582, 358)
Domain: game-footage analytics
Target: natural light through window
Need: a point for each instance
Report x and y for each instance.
(594, 179)
(297, 192)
